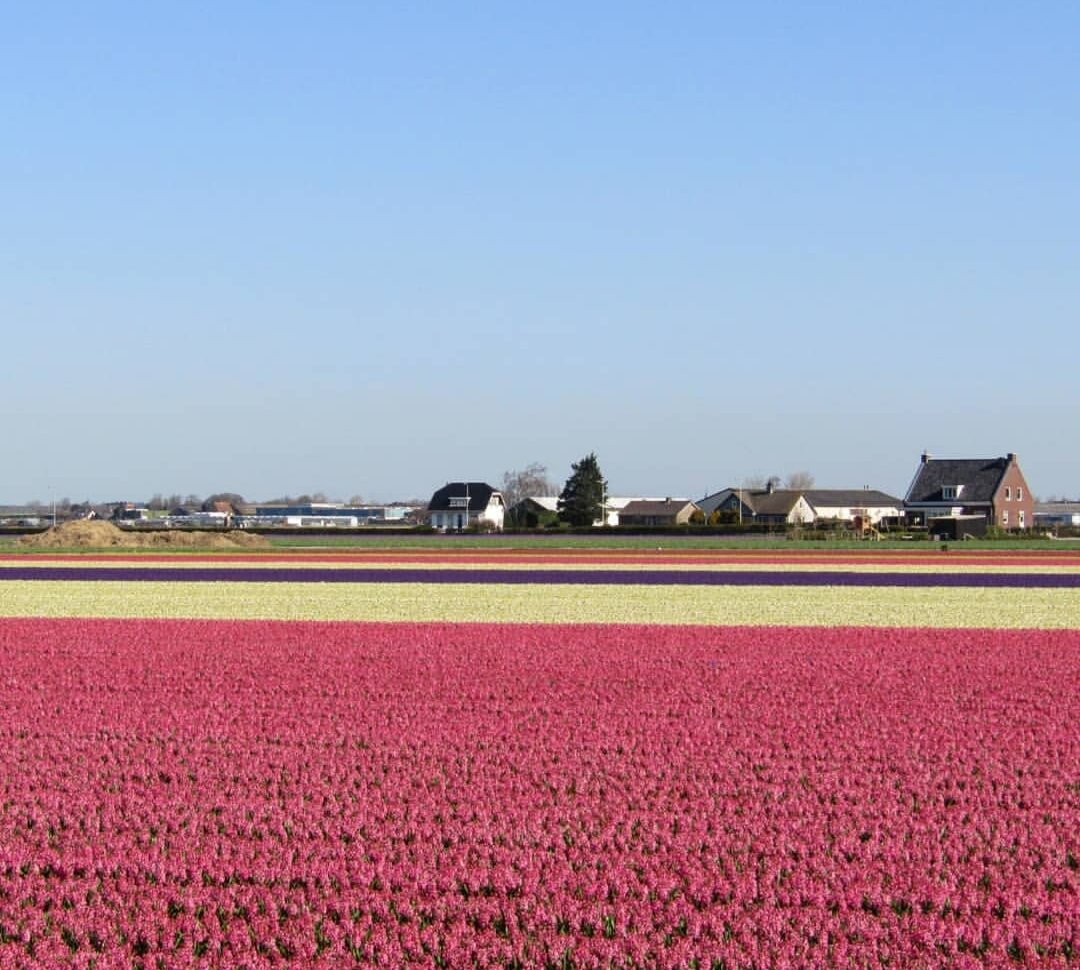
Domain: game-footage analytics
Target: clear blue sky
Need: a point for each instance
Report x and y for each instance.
(364, 248)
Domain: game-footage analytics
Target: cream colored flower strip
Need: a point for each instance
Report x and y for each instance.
(551, 603)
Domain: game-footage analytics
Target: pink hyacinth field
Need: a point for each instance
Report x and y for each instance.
(576, 760)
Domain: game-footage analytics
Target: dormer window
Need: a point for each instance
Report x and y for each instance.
(951, 491)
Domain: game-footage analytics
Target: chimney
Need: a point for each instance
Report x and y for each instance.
(1011, 457)
(925, 457)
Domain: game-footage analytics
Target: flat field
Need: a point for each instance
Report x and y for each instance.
(517, 758)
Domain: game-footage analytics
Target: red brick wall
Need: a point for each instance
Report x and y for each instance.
(1019, 500)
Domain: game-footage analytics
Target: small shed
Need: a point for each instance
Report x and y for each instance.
(957, 527)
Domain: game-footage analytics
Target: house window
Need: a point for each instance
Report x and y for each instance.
(1019, 494)
(1020, 518)
(1008, 493)
(1005, 517)
(951, 491)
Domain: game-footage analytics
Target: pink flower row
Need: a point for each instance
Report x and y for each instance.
(185, 793)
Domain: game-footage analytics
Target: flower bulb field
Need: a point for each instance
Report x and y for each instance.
(511, 759)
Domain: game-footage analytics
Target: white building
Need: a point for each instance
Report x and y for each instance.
(459, 505)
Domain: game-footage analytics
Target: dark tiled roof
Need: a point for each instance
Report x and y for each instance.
(647, 507)
(710, 503)
(780, 501)
(479, 496)
(856, 498)
(979, 477)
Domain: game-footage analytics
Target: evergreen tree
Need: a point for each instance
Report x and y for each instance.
(582, 498)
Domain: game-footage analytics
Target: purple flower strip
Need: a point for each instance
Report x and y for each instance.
(607, 577)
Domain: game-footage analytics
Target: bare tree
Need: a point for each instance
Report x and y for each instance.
(798, 481)
(527, 482)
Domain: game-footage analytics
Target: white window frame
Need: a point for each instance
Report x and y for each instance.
(1019, 494)
(1020, 518)
(1008, 494)
(1005, 517)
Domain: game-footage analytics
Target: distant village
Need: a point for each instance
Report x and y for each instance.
(948, 498)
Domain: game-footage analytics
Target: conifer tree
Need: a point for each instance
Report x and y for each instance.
(582, 499)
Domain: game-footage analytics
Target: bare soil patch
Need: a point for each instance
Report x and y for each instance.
(95, 534)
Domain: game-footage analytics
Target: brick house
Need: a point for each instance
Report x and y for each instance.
(951, 487)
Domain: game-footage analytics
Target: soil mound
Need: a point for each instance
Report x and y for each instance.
(95, 534)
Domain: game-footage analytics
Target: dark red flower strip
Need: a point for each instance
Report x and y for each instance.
(197, 793)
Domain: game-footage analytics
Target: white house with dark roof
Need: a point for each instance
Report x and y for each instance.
(866, 506)
(860, 506)
(459, 505)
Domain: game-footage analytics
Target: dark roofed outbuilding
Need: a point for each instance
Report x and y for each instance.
(657, 512)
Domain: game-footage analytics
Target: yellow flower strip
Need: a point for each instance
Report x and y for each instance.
(552, 603)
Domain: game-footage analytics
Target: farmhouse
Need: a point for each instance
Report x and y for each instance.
(768, 506)
(657, 512)
(458, 505)
(994, 488)
(771, 505)
(859, 506)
